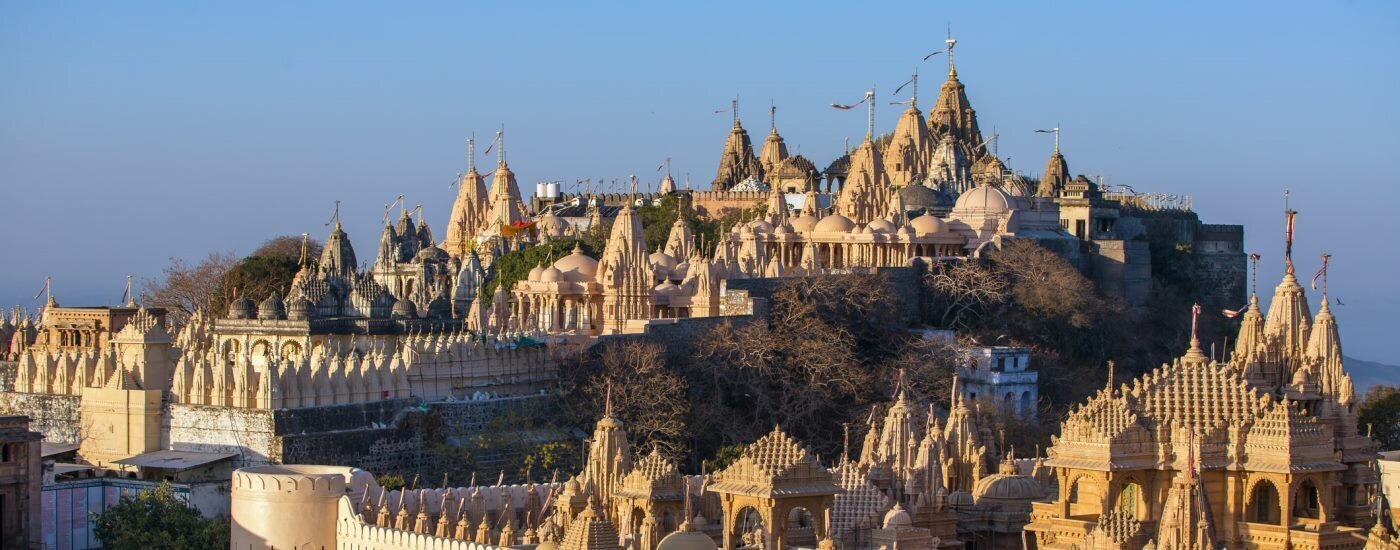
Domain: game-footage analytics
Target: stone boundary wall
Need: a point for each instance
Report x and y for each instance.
(250, 433)
(351, 533)
(54, 415)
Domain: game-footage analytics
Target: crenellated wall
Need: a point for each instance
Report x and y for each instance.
(713, 204)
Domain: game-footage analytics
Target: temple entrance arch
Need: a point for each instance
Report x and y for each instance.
(774, 477)
(801, 528)
(1264, 503)
(1307, 500)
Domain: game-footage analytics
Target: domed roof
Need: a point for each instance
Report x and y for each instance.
(803, 223)
(440, 307)
(928, 224)
(921, 197)
(535, 273)
(666, 289)
(432, 254)
(960, 499)
(299, 309)
(552, 225)
(835, 223)
(404, 309)
(1009, 488)
(681, 270)
(985, 198)
(662, 259)
(880, 226)
(761, 226)
(577, 267)
(897, 518)
(547, 545)
(685, 539)
(241, 308)
(551, 274)
(271, 308)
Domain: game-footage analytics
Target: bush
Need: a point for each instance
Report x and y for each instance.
(157, 519)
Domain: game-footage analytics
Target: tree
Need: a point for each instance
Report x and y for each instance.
(158, 519)
(648, 395)
(290, 246)
(186, 288)
(513, 267)
(967, 291)
(1380, 410)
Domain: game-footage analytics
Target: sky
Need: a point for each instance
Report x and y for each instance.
(136, 132)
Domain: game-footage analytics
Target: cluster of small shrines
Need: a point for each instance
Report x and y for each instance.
(1259, 450)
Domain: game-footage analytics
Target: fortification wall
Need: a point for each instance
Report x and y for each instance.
(1222, 267)
(1123, 269)
(55, 416)
(714, 204)
(250, 433)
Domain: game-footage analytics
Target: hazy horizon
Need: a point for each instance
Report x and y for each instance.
(137, 132)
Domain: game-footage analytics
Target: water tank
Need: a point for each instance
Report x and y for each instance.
(542, 190)
(552, 190)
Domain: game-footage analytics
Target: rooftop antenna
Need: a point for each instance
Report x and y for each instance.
(772, 116)
(734, 108)
(1290, 219)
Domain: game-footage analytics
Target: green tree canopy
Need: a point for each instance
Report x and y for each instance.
(1381, 410)
(156, 519)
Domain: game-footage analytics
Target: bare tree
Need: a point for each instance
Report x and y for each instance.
(1044, 284)
(647, 396)
(186, 287)
(968, 290)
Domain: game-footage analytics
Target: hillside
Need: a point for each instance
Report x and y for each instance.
(1365, 374)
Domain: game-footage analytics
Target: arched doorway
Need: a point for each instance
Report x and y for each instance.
(1307, 500)
(801, 528)
(1264, 504)
(747, 529)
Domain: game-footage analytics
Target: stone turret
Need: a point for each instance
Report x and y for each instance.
(1056, 176)
(909, 155)
(625, 273)
(737, 163)
(864, 195)
(953, 114)
(469, 211)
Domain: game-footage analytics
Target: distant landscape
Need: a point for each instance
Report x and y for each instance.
(1365, 374)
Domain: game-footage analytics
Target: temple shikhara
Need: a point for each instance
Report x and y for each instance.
(1260, 447)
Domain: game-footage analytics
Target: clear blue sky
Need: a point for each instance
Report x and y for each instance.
(132, 132)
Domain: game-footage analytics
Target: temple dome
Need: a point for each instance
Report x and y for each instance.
(552, 225)
(1007, 488)
(687, 539)
(835, 223)
(662, 259)
(300, 309)
(432, 254)
(761, 226)
(880, 226)
(241, 308)
(803, 223)
(577, 267)
(927, 224)
(897, 518)
(535, 273)
(404, 309)
(921, 197)
(271, 309)
(551, 274)
(984, 198)
(960, 500)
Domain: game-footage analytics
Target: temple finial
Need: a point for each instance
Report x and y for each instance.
(471, 153)
(1290, 217)
(734, 109)
(952, 71)
(772, 117)
(870, 110)
(501, 146)
(1110, 376)
(607, 401)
